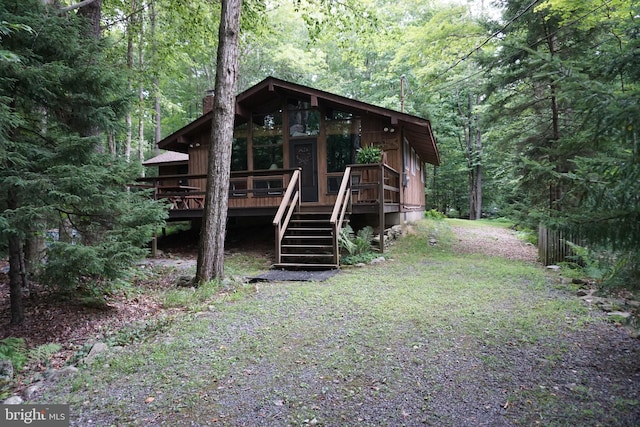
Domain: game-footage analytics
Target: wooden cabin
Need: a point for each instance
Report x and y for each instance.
(294, 162)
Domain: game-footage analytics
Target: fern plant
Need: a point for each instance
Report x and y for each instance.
(43, 353)
(345, 239)
(15, 350)
(357, 246)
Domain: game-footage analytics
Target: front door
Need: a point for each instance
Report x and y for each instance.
(304, 155)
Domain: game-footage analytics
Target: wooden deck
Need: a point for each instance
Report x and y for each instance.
(306, 232)
(259, 193)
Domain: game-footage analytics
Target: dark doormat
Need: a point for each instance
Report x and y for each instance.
(294, 276)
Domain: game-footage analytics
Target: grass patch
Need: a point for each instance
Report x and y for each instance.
(427, 330)
(190, 297)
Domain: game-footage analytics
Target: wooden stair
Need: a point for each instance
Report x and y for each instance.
(308, 242)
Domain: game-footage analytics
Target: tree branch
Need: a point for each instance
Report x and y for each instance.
(76, 6)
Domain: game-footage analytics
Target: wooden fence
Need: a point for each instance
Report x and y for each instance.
(553, 247)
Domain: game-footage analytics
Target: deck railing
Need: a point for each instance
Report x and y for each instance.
(187, 192)
(290, 203)
(340, 208)
(377, 185)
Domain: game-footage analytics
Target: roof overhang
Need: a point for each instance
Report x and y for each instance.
(168, 158)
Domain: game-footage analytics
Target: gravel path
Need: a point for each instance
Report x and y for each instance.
(493, 241)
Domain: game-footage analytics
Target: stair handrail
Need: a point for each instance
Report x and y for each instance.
(343, 201)
(290, 202)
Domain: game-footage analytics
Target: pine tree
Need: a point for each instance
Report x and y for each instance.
(54, 173)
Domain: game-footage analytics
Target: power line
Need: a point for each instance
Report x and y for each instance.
(530, 46)
(494, 35)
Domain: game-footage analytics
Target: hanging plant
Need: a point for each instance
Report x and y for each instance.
(369, 154)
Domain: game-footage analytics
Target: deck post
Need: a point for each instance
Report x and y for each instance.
(154, 244)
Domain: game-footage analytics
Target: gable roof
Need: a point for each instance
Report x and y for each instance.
(417, 130)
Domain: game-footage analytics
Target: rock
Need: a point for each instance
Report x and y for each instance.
(433, 241)
(30, 391)
(377, 260)
(394, 232)
(605, 306)
(54, 374)
(97, 348)
(360, 264)
(553, 267)
(13, 400)
(184, 282)
(624, 315)
(632, 303)
(6, 371)
(582, 292)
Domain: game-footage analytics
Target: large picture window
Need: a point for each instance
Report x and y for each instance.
(343, 140)
(239, 149)
(267, 141)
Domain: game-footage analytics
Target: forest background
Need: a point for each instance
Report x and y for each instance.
(535, 106)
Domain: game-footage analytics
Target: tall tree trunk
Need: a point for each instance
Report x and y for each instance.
(555, 188)
(156, 80)
(15, 266)
(111, 143)
(141, 94)
(130, 57)
(473, 154)
(93, 12)
(214, 221)
(478, 170)
(158, 114)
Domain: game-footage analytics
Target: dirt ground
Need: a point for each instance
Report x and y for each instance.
(72, 325)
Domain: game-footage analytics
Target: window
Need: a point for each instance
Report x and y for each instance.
(267, 187)
(239, 149)
(267, 141)
(303, 119)
(414, 161)
(238, 187)
(343, 139)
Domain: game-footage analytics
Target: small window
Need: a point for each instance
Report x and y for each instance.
(238, 188)
(267, 187)
(333, 184)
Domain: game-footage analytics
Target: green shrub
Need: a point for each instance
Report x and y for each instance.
(43, 353)
(369, 154)
(357, 246)
(15, 350)
(453, 213)
(434, 214)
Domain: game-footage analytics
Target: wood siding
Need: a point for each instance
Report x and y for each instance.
(413, 176)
